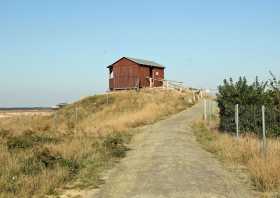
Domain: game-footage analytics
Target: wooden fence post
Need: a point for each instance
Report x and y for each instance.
(55, 120)
(205, 110)
(237, 119)
(263, 131)
(76, 118)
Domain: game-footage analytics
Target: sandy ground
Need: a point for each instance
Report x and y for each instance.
(9, 114)
(165, 161)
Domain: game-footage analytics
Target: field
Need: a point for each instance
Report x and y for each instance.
(73, 146)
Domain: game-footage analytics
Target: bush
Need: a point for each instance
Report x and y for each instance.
(45, 159)
(250, 98)
(28, 140)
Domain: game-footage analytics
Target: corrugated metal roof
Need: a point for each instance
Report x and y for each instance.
(145, 62)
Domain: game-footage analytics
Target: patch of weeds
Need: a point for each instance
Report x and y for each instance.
(4, 133)
(115, 145)
(31, 166)
(28, 140)
(12, 183)
(90, 174)
(19, 142)
(73, 166)
(203, 135)
(47, 158)
(105, 153)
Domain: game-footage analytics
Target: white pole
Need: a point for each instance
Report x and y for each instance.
(237, 120)
(264, 130)
(205, 110)
(76, 113)
(151, 85)
(55, 120)
(208, 111)
(76, 118)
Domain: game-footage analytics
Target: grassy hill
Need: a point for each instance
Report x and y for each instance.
(40, 153)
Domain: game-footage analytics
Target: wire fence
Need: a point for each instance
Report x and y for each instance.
(209, 110)
(251, 119)
(264, 121)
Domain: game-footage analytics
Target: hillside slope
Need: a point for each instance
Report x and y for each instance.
(40, 154)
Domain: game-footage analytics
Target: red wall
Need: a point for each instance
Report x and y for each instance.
(144, 73)
(158, 74)
(125, 74)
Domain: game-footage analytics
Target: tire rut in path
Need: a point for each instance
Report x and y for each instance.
(165, 161)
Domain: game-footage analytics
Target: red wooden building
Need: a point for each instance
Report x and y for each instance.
(131, 73)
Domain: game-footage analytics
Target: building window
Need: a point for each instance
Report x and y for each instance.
(111, 75)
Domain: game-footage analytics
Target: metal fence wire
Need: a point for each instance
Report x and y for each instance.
(250, 119)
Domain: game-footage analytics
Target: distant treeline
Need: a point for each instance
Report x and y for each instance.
(250, 97)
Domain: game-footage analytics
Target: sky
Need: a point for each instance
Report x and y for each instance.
(57, 51)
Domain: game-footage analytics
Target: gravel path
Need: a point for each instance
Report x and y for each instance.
(167, 162)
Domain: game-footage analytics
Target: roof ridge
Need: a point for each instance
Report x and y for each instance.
(144, 62)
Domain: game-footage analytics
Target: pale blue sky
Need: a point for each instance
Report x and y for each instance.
(54, 51)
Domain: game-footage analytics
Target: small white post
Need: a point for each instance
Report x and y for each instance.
(205, 110)
(237, 119)
(164, 84)
(264, 130)
(76, 117)
(76, 113)
(151, 82)
(55, 120)
(209, 111)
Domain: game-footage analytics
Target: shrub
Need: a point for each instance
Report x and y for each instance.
(250, 98)
(19, 142)
(28, 140)
(47, 158)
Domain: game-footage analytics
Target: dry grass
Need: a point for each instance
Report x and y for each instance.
(40, 153)
(264, 171)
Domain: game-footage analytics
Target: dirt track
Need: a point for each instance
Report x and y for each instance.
(167, 162)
